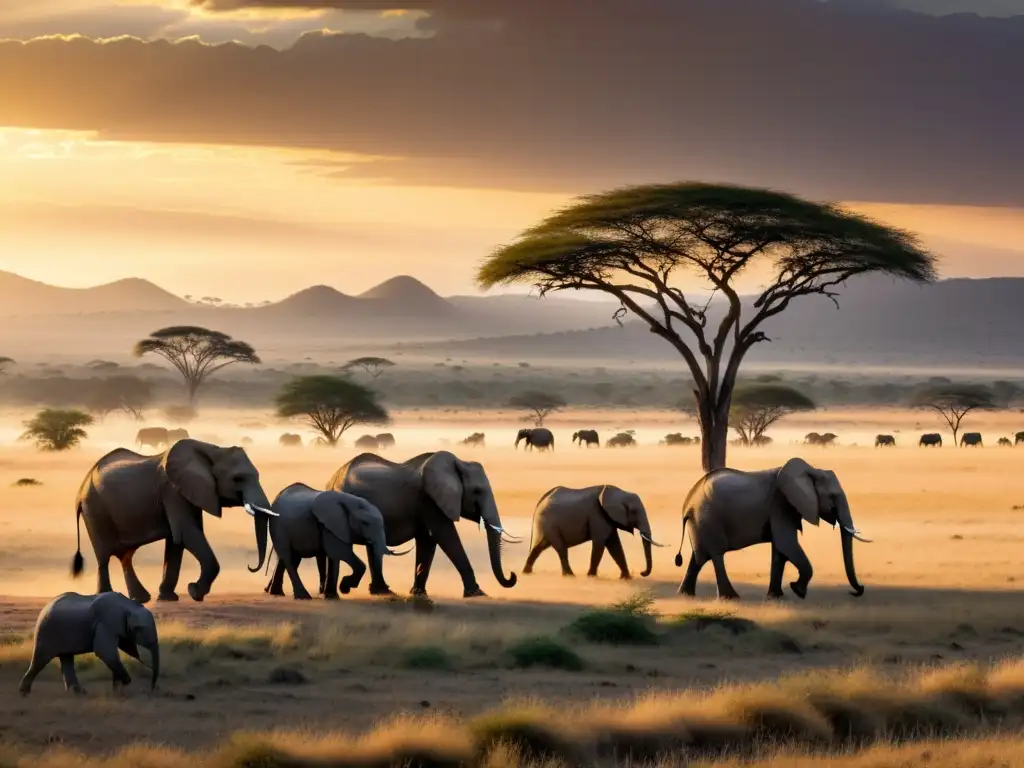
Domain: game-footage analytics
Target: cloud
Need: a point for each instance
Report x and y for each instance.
(797, 94)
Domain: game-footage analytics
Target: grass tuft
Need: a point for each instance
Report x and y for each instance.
(544, 652)
(614, 627)
(26, 482)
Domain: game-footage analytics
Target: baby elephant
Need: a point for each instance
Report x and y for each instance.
(565, 517)
(74, 624)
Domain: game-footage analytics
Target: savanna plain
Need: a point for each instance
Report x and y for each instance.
(924, 667)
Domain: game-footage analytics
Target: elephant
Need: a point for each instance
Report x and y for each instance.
(422, 499)
(72, 624)
(827, 439)
(1005, 442)
(565, 517)
(731, 510)
(385, 440)
(174, 435)
(290, 440)
(537, 437)
(476, 440)
(129, 500)
(812, 438)
(367, 442)
(622, 440)
(676, 438)
(588, 436)
(154, 437)
(885, 441)
(760, 441)
(973, 439)
(325, 524)
(1018, 438)
(930, 439)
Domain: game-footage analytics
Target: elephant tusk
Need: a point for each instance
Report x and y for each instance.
(648, 538)
(252, 509)
(856, 534)
(392, 552)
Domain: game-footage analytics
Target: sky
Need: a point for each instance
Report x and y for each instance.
(250, 148)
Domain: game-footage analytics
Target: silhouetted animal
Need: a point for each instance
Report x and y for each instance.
(885, 441)
(676, 438)
(588, 436)
(385, 440)
(154, 437)
(538, 437)
(290, 440)
(972, 439)
(930, 439)
(174, 435)
(622, 440)
(813, 438)
(367, 443)
(1005, 441)
(1018, 438)
(476, 439)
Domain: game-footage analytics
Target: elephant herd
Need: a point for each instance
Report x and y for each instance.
(934, 440)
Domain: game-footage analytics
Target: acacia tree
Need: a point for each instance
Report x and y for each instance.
(756, 407)
(633, 243)
(330, 404)
(374, 366)
(196, 352)
(57, 430)
(121, 393)
(953, 402)
(540, 404)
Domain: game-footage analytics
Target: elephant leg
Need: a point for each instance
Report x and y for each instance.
(447, 538)
(563, 556)
(195, 542)
(136, 591)
(67, 671)
(614, 544)
(784, 539)
(321, 570)
(105, 646)
(103, 574)
(275, 586)
(291, 565)
(778, 566)
(341, 551)
(37, 665)
(688, 586)
(425, 549)
(596, 553)
(726, 591)
(378, 586)
(330, 585)
(539, 547)
(172, 569)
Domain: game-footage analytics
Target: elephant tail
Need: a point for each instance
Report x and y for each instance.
(270, 554)
(78, 562)
(687, 517)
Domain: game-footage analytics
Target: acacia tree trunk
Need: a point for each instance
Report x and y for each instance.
(714, 435)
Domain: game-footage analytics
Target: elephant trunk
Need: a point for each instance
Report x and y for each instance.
(261, 522)
(154, 657)
(647, 557)
(494, 549)
(846, 528)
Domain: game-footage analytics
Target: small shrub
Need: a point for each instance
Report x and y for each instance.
(427, 657)
(544, 652)
(628, 622)
(25, 482)
(640, 603)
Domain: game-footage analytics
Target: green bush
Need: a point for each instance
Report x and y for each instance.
(628, 622)
(544, 652)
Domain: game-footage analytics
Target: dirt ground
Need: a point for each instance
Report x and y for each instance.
(942, 575)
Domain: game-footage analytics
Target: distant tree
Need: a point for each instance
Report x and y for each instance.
(634, 242)
(4, 362)
(540, 404)
(330, 404)
(756, 407)
(196, 352)
(1005, 393)
(57, 430)
(374, 366)
(104, 366)
(953, 402)
(121, 393)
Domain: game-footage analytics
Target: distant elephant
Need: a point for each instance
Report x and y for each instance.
(588, 436)
(731, 510)
(72, 624)
(621, 440)
(537, 437)
(129, 500)
(1005, 442)
(152, 437)
(385, 440)
(422, 499)
(972, 439)
(760, 441)
(476, 439)
(930, 439)
(325, 524)
(887, 441)
(1018, 438)
(174, 435)
(812, 438)
(566, 517)
(290, 440)
(367, 443)
(676, 438)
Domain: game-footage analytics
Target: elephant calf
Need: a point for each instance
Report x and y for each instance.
(565, 517)
(73, 624)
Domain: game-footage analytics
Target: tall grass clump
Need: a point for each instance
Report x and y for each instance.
(629, 622)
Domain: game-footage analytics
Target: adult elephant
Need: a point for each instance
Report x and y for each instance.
(421, 499)
(152, 437)
(1018, 438)
(129, 500)
(174, 435)
(885, 441)
(566, 517)
(290, 440)
(537, 437)
(326, 524)
(385, 440)
(731, 510)
(587, 436)
(972, 439)
(622, 440)
(930, 439)
(367, 443)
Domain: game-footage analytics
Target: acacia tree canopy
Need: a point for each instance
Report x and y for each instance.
(330, 404)
(540, 404)
(196, 352)
(57, 430)
(953, 402)
(374, 366)
(756, 407)
(635, 243)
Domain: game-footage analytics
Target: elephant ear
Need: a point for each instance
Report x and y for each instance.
(190, 471)
(331, 512)
(442, 482)
(613, 502)
(796, 485)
